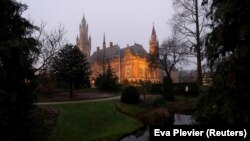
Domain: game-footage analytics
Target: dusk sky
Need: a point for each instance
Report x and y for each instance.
(123, 21)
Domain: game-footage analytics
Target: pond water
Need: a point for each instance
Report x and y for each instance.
(180, 119)
(142, 134)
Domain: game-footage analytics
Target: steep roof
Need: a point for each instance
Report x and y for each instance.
(110, 52)
(136, 49)
(115, 51)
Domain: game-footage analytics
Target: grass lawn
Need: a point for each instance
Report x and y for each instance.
(91, 121)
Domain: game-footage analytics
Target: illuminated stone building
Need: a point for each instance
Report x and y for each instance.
(130, 63)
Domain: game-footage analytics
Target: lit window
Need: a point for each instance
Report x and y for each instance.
(128, 71)
(140, 72)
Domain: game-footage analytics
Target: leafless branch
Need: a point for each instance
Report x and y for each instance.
(49, 44)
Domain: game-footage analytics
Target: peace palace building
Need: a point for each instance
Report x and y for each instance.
(130, 63)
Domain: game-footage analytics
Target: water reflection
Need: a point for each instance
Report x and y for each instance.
(181, 119)
(143, 133)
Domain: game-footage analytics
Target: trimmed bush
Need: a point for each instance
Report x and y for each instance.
(130, 95)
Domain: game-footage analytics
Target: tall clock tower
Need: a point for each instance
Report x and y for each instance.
(83, 42)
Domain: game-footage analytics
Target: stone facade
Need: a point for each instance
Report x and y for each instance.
(128, 64)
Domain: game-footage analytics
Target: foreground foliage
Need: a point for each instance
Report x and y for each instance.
(18, 52)
(227, 101)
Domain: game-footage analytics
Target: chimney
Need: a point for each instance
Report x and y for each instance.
(98, 48)
(111, 44)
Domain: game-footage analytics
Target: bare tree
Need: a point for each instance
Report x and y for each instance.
(190, 21)
(49, 44)
(173, 52)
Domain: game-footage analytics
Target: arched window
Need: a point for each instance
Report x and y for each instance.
(128, 71)
(140, 71)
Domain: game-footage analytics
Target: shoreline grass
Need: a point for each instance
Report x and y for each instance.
(91, 121)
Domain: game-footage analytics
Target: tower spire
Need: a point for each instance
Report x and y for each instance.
(154, 44)
(83, 41)
(104, 52)
(104, 41)
(83, 20)
(153, 30)
(153, 34)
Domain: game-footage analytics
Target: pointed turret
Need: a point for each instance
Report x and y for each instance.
(90, 39)
(153, 34)
(83, 20)
(153, 31)
(77, 39)
(104, 41)
(104, 52)
(83, 41)
(154, 44)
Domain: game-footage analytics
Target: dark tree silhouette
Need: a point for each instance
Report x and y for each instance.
(227, 100)
(49, 44)
(18, 51)
(173, 52)
(70, 66)
(190, 21)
